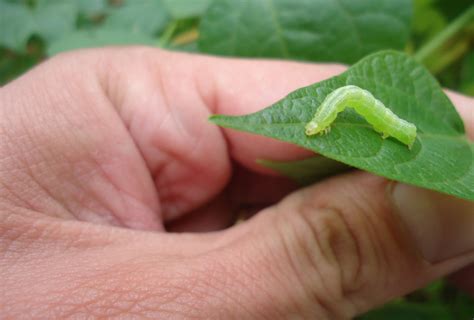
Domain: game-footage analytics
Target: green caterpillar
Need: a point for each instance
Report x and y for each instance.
(380, 117)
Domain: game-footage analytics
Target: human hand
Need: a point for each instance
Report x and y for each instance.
(96, 139)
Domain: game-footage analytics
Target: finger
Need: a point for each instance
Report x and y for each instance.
(65, 152)
(167, 106)
(349, 244)
(465, 107)
(464, 279)
(246, 86)
(56, 269)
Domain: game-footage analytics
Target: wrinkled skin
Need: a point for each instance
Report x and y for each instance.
(101, 150)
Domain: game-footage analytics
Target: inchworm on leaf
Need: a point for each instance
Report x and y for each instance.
(363, 102)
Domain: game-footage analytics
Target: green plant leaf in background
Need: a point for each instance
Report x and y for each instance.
(441, 158)
(184, 9)
(147, 17)
(428, 21)
(318, 30)
(92, 7)
(10, 66)
(409, 311)
(52, 26)
(16, 25)
(306, 171)
(19, 22)
(97, 38)
(437, 301)
(467, 74)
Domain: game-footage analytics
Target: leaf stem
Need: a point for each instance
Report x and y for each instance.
(442, 61)
(167, 34)
(458, 24)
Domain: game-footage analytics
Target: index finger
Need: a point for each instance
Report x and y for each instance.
(246, 86)
(465, 106)
(242, 86)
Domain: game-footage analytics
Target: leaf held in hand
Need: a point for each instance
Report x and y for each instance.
(441, 158)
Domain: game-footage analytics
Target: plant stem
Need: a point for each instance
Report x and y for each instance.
(458, 24)
(167, 34)
(442, 61)
(186, 37)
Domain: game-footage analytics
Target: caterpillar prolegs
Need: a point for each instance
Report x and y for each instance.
(363, 102)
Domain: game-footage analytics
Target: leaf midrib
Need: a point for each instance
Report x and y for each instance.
(458, 135)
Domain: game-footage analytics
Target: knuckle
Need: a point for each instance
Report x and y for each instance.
(342, 250)
(333, 246)
(322, 254)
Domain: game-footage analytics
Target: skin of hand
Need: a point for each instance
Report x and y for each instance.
(103, 149)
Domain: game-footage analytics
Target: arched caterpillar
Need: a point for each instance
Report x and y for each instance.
(380, 117)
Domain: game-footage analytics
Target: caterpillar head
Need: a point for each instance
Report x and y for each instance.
(312, 128)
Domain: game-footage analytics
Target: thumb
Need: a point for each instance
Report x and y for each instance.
(342, 247)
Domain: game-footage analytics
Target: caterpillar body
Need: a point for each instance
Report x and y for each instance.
(363, 102)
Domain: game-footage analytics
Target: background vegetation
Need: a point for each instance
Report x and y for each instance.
(438, 33)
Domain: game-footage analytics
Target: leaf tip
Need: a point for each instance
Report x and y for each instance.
(215, 118)
(262, 162)
(220, 119)
(212, 117)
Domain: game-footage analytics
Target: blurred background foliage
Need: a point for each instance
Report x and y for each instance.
(438, 33)
(32, 30)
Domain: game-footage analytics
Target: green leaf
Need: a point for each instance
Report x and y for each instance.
(16, 26)
(321, 30)
(54, 18)
(12, 66)
(184, 9)
(463, 305)
(428, 21)
(49, 19)
(441, 158)
(452, 9)
(306, 171)
(97, 38)
(467, 74)
(147, 17)
(409, 311)
(92, 7)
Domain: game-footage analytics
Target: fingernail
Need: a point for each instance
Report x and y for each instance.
(442, 226)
